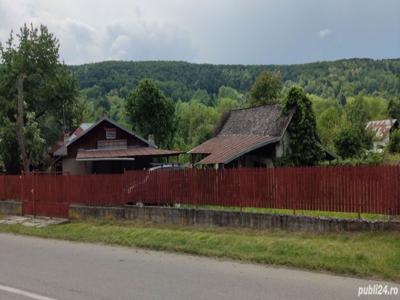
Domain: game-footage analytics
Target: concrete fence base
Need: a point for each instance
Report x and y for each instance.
(230, 219)
(215, 218)
(10, 207)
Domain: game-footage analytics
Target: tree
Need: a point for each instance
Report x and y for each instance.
(203, 97)
(228, 92)
(8, 146)
(348, 143)
(117, 108)
(34, 141)
(394, 109)
(151, 112)
(305, 148)
(342, 99)
(266, 89)
(228, 99)
(358, 114)
(394, 144)
(33, 81)
(195, 123)
(226, 104)
(328, 123)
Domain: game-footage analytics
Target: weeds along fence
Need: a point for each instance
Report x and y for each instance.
(366, 189)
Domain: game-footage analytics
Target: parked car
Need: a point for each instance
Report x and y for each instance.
(166, 167)
(148, 182)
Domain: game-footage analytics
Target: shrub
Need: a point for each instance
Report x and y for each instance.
(366, 158)
(348, 143)
(394, 144)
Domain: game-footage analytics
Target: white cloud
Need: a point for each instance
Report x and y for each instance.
(324, 33)
(223, 31)
(133, 36)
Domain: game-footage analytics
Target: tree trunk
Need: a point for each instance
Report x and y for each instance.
(20, 123)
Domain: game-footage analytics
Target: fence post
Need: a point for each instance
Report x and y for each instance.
(358, 196)
(33, 193)
(21, 195)
(296, 191)
(195, 189)
(3, 186)
(125, 187)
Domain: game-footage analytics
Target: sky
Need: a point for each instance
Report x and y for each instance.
(213, 31)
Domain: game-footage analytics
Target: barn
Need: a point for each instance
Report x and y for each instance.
(248, 137)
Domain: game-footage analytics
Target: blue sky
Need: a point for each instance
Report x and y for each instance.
(218, 31)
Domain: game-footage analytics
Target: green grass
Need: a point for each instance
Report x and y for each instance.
(374, 255)
(310, 213)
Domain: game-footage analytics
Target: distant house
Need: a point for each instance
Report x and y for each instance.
(250, 137)
(382, 130)
(105, 147)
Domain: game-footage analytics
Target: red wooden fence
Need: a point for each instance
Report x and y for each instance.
(344, 189)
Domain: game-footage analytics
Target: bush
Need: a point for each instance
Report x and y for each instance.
(394, 144)
(348, 143)
(366, 158)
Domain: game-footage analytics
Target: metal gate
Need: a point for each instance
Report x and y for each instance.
(46, 201)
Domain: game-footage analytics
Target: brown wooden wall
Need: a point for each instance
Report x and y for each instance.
(89, 141)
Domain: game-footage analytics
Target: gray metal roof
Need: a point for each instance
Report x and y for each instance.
(266, 120)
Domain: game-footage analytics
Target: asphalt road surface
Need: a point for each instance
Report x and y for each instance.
(32, 268)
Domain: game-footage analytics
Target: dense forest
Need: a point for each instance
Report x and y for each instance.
(180, 80)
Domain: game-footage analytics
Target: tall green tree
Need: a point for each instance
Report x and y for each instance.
(266, 89)
(195, 123)
(203, 97)
(34, 81)
(358, 114)
(151, 112)
(228, 92)
(305, 149)
(329, 122)
(348, 142)
(9, 154)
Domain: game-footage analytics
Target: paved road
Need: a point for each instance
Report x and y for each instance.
(32, 268)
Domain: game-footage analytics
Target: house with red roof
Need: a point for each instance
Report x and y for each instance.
(381, 130)
(248, 137)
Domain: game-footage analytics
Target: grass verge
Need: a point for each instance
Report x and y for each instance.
(373, 255)
(309, 213)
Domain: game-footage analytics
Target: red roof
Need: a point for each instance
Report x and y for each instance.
(119, 153)
(225, 148)
(382, 128)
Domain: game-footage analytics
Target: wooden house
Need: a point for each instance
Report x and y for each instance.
(106, 147)
(248, 137)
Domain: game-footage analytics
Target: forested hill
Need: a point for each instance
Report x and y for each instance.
(180, 80)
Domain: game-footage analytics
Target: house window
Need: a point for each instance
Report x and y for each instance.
(111, 133)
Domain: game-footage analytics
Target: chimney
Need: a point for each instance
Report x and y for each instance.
(150, 138)
(66, 135)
